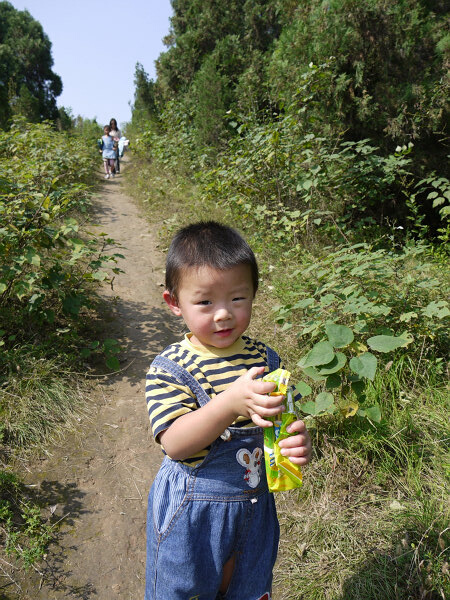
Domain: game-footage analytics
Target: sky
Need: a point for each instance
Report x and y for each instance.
(95, 48)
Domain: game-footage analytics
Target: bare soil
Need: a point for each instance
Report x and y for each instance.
(97, 480)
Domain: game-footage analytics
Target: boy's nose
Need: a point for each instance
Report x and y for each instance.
(222, 314)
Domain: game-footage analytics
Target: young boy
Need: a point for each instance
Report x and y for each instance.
(212, 529)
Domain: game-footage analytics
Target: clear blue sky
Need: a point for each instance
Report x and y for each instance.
(95, 47)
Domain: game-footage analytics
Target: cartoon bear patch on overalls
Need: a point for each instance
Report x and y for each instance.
(252, 463)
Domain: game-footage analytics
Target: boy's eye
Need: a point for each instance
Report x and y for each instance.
(238, 298)
(204, 302)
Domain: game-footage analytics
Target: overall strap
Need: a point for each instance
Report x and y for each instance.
(183, 377)
(273, 360)
(186, 378)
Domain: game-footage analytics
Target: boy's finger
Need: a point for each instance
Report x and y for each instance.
(295, 441)
(260, 422)
(254, 372)
(300, 460)
(297, 426)
(266, 401)
(301, 452)
(270, 412)
(264, 387)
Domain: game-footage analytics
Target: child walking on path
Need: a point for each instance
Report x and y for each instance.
(108, 152)
(212, 528)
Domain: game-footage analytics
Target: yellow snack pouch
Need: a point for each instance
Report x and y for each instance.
(281, 473)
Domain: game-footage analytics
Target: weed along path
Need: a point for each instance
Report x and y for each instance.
(97, 481)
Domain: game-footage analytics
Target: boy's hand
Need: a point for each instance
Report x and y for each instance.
(297, 447)
(250, 398)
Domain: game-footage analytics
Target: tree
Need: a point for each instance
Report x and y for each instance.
(385, 65)
(390, 67)
(200, 28)
(144, 94)
(65, 118)
(28, 86)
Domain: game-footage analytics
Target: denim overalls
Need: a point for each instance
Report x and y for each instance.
(200, 517)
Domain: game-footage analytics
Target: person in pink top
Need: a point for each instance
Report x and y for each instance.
(116, 135)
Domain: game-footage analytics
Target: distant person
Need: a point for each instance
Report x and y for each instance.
(123, 145)
(108, 150)
(116, 135)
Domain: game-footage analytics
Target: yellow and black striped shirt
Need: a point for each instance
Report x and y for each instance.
(214, 368)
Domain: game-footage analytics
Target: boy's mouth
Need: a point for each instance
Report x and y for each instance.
(223, 332)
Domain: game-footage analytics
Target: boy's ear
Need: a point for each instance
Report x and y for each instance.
(172, 303)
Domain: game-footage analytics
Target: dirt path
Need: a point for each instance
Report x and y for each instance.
(99, 481)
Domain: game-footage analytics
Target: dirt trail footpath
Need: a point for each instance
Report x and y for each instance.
(99, 481)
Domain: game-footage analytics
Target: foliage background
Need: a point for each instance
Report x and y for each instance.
(320, 130)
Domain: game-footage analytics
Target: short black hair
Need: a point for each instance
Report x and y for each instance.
(209, 244)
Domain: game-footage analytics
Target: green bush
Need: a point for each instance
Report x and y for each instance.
(353, 302)
(50, 270)
(47, 263)
(276, 169)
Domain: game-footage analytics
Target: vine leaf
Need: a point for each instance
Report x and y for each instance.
(320, 354)
(364, 365)
(349, 409)
(303, 388)
(373, 413)
(335, 365)
(385, 343)
(339, 336)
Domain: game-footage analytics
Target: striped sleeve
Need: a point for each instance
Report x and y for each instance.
(167, 400)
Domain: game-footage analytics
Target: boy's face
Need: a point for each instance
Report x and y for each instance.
(106, 130)
(215, 305)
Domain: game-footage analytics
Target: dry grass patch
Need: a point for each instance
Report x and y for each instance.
(342, 538)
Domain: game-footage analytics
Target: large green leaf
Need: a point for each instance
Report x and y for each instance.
(359, 388)
(72, 303)
(385, 343)
(33, 257)
(364, 365)
(339, 335)
(373, 413)
(304, 303)
(308, 407)
(314, 374)
(303, 388)
(324, 404)
(113, 363)
(436, 309)
(335, 365)
(320, 354)
(333, 381)
(324, 401)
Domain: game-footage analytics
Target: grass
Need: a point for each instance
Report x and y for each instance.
(371, 521)
(154, 189)
(23, 532)
(361, 536)
(39, 402)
